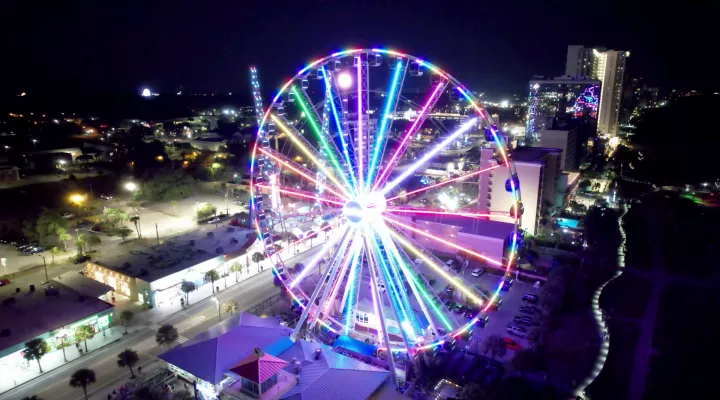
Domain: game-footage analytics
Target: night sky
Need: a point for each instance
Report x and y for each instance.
(207, 46)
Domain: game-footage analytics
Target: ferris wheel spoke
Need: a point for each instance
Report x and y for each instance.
(417, 283)
(313, 120)
(319, 255)
(494, 263)
(433, 186)
(330, 97)
(427, 156)
(386, 120)
(424, 112)
(303, 194)
(299, 170)
(471, 292)
(410, 210)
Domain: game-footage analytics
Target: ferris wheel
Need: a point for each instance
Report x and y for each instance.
(355, 157)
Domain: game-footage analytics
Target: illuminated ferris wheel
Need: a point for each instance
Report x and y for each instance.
(371, 154)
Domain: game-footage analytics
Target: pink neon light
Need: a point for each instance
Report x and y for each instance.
(304, 175)
(439, 212)
(445, 182)
(359, 127)
(301, 194)
(443, 241)
(409, 133)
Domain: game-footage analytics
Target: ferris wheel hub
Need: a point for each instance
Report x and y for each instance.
(365, 207)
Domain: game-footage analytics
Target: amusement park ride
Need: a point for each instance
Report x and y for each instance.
(330, 150)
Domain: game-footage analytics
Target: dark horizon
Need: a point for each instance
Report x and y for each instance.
(86, 48)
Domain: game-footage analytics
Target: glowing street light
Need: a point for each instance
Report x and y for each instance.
(131, 186)
(77, 199)
(146, 93)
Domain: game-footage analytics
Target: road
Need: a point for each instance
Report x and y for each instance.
(191, 321)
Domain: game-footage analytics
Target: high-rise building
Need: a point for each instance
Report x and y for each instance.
(538, 170)
(609, 67)
(566, 140)
(574, 98)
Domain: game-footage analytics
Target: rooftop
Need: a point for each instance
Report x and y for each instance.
(35, 313)
(532, 154)
(473, 226)
(82, 284)
(179, 253)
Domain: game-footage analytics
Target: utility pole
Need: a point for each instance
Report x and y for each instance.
(47, 279)
(157, 233)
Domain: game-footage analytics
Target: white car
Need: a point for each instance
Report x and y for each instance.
(418, 261)
(477, 272)
(68, 216)
(214, 220)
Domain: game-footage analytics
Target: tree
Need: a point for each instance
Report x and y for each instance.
(128, 358)
(80, 243)
(166, 335)
(35, 349)
(92, 240)
(114, 216)
(124, 233)
(230, 306)
(49, 223)
(187, 287)
(206, 211)
(136, 220)
(211, 276)
(494, 345)
(471, 391)
(236, 267)
(63, 237)
(257, 257)
(82, 378)
(325, 227)
(125, 318)
(84, 333)
(53, 250)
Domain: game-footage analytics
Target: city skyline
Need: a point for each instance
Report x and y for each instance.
(209, 49)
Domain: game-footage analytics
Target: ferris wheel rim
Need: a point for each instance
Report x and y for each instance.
(469, 97)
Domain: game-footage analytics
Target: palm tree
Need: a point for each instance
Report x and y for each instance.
(80, 243)
(63, 236)
(236, 267)
(211, 276)
(53, 250)
(230, 306)
(136, 220)
(166, 335)
(495, 345)
(35, 349)
(82, 378)
(187, 287)
(125, 318)
(128, 358)
(124, 233)
(257, 257)
(83, 333)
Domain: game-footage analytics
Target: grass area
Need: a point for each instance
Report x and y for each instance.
(614, 380)
(681, 367)
(627, 296)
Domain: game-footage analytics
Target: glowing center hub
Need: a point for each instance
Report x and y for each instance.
(370, 206)
(353, 211)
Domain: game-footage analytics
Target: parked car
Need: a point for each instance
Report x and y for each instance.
(517, 330)
(34, 250)
(511, 344)
(81, 259)
(459, 308)
(507, 284)
(496, 305)
(4, 282)
(97, 228)
(529, 310)
(471, 313)
(528, 298)
(477, 272)
(106, 196)
(450, 304)
(68, 216)
(214, 220)
(523, 321)
(482, 321)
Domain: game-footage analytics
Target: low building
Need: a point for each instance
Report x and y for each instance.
(247, 356)
(51, 314)
(153, 275)
(9, 173)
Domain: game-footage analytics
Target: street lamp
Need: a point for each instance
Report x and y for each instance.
(217, 302)
(131, 186)
(77, 199)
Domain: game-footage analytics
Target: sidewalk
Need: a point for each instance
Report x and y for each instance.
(15, 370)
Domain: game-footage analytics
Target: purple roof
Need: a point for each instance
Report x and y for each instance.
(474, 226)
(258, 367)
(212, 353)
(332, 377)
